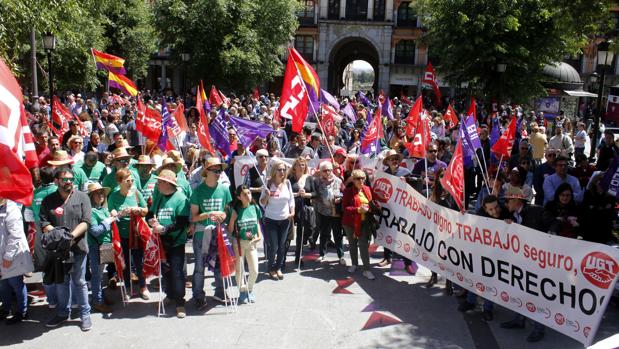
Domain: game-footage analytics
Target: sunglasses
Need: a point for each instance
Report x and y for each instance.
(281, 170)
(218, 171)
(433, 151)
(358, 179)
(124, 161)
(66, 180)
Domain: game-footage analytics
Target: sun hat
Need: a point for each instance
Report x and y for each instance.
(168, 176)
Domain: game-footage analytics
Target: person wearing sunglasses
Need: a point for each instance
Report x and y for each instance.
(127, 202)
(434, 165)
(277, 198)
(328, 210)
(541, 172)
(121, 159)
(209, 207)
(69, 208)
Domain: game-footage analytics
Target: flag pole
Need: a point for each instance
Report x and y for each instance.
(498, 169)
(161, 305)
(312, 106)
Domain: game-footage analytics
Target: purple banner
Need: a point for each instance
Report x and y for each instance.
(327, 98)
(248, 130)
(349, 112)
(387, 110)
(610, 182)
(218, 129)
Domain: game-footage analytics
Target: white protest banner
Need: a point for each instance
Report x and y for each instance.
(243, 164)
(559, 282)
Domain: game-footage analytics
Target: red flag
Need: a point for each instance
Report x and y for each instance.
(328, 120)
(203, 133)
(60, 116)
(225, 100)
(414, 116)
(450, 117)
(152, 246)
(119, 259)
(472, 109)
(255, 93)
(381, 96)
(225, 254)
(374, 130)
(301, 87)
(179, 116)
(17, 152)
(429, 77)
(214, 98)
(503, 147)
(417, 146)
(148, 122)
(453, 179)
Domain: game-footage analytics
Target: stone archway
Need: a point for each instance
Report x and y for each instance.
(346, 51)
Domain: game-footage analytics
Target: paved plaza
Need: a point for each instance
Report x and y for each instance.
(321, 307)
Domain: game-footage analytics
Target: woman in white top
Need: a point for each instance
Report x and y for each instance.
(278, 202)
(76, 144)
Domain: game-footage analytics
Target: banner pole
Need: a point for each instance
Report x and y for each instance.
(498, 169)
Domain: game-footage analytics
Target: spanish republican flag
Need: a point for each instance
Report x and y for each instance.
(122, 83)
(109, 62)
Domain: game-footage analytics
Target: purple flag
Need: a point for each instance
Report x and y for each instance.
(219, 131)
(328, 98)
(349, 112)
(364, 100)
(165, 122)
(472, 136)
(387, 110)
(495, 134)
(207, 106)
(609, 182)
(467, 150)
(248, 130)
(371, 147)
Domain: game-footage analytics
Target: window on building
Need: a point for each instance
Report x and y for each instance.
(379, 10)
(334, 9)
(357, 10)
(406, 15)
(305, 45)
(306, 12)
(405, 52)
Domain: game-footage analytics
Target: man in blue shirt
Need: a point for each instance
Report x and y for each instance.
(552, 182)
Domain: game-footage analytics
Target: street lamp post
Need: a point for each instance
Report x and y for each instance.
(185, 58)
(604, 58)
(49, 44)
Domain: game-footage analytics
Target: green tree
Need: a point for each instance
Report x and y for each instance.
(232, 43)
(472, 36)
(119, 27)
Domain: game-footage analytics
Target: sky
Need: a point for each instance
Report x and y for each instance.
(361, 65)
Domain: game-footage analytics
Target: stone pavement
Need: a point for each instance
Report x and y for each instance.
(321, 307)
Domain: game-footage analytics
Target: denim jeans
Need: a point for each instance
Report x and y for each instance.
(51, 294)
(358, 246)
(15, 285)
(471, 298)
(74, 280)
(197, 287)
(277, 234)
(173, 274)
(325, 225)
(137, 256)
(96, 271)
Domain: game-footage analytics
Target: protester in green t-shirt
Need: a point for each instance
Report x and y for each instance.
(121, 159)
(245, 222)
(95, 170)
(169, 217)
(209, 203)
(99, 233)
(127, 202)
(61, 158)
(148, 179)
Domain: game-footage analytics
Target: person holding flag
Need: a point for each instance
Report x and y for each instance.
(169, 217)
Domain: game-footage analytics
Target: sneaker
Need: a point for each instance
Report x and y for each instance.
(86, 324)
(320, 259)
(352, 268)
(56, 321)
(243, 298)
(17, 318)
(180, 312)
(102, 308)
(144, 293)
(466, 306)
(251, 297)
(342, 261)
(219, 297)
(280, 275)
(384, 263)
(369, 275)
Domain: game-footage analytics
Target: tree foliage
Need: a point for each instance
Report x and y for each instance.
(119, 27)
(472, 36)
(232, 43)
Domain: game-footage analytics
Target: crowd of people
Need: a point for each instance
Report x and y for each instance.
(102, 173)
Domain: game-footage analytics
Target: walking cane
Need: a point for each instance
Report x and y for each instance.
(302, 233)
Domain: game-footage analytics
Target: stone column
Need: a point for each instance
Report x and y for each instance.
(389, 11)
(370, 10)
(324, 9)
(342, 8)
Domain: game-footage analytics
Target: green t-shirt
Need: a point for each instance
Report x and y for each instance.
(210, 199)
(148, 186)
(116, 201)
(167, 209)
(96, 173)
(247, 221)
(40, 194)
(98, 215)
(110, 180)
(80, 180)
